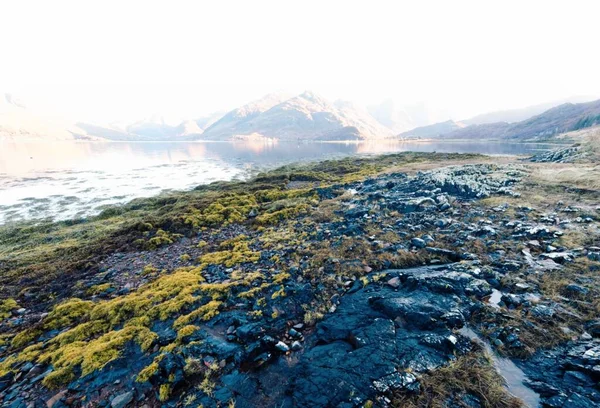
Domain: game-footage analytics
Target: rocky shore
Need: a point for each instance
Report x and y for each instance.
(346, 283)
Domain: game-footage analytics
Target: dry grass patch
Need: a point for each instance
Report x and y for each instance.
(471, 375)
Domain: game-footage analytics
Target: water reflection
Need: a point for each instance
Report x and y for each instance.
(64, 180)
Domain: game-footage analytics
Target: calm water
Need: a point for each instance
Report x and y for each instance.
(66, 180)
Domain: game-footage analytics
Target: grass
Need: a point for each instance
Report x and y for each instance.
(470, 375)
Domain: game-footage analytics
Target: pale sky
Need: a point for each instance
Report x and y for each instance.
(108, 60)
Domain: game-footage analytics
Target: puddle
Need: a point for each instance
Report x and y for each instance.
(512, 374)
(495, 298)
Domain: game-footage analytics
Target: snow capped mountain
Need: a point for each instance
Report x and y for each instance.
(307, 116)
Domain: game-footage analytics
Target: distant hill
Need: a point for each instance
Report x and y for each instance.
(560, 119)
(151, 129)
(432, 131)
(305, 117)
(521, 114)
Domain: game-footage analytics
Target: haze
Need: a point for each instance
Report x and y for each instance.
(126, 60)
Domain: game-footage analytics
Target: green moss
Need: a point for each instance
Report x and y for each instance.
(253, 292)
(185, 258)
(255, 314)
(97, 289)
(205, 312)
(274, 217)
(226, 210)
(239, 253)
(25, 337)
(149, 269)
(150, 370)
(280, 278)
(164, 392)
(279, 293)
(6, 307)
(94, 354)
(67, 313)
(186, 331)
(161, 238)
(59, 377)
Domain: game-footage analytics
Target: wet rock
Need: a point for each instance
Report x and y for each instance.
(50, 403)
(406, 382)
(542, 312)
(442, 222)
(296, 346)
(558, 257)
(593, 327)
(576, 289)
(420, 311)
(394, 282)
(121, 401)
(281, 346)
(594, 256)
(249, 332)
(418, 242)
(6, 381)
(486, 230)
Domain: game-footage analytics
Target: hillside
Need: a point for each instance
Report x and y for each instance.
(306, 116)
(520, 114)
(561, 119)
(432, 131)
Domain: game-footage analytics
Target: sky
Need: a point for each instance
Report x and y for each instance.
(122, 60)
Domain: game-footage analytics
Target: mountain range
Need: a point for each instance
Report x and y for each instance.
(554, 121)
(307, 116)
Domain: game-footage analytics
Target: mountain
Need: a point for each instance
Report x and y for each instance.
(205, 122)
(306, 116)
(227, 125)
(387, 114)
(402, 119)
(432, 131)
(20, 123)
(560, 119)
(521, 114)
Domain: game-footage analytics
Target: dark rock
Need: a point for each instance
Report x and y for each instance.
(573, 288)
